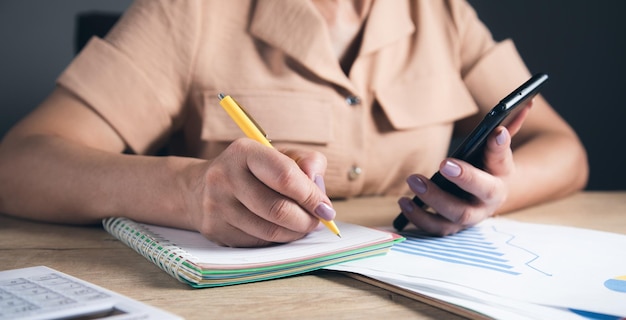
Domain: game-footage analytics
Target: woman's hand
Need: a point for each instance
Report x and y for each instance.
(447, 214)
(252, 195)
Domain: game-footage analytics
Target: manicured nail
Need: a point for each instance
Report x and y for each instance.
(451, 169)
(405, 205)
(325, 211)
(416, 184)
(501, 138)
(319, 181)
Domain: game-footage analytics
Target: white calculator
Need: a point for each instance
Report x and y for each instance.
(45, 293)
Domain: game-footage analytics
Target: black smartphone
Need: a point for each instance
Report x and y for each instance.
(472, 148)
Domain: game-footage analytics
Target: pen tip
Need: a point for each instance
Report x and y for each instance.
(221, 96)
(339, 235)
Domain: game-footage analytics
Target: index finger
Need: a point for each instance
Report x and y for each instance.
(282, 174)
(516, 123)
(313, 163)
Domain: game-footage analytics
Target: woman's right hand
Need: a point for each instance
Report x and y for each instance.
(252, 195)
(71, 157)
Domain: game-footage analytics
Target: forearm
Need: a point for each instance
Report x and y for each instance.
(547, 167)
(51, 179)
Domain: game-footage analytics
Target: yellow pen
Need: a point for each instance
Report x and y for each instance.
(253, 131)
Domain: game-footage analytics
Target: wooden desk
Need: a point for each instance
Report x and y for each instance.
(92, 254)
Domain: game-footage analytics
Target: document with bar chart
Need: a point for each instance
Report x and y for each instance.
(508, 269)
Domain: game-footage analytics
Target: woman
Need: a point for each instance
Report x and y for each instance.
(359, 98)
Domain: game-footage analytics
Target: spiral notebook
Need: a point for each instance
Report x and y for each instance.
(191, 258)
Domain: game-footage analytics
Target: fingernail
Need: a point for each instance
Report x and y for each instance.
(451, 169)
(319, 181)
(405, 205)
(325, 211)
(416, 184)
(501, 138)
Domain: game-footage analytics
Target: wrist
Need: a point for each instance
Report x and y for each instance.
(187, 177)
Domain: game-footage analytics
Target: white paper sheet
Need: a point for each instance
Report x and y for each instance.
(508, 265)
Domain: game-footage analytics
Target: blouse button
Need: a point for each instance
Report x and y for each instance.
(354, 173)
(353, 100)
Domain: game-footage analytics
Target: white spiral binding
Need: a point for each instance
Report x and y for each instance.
(169, 258)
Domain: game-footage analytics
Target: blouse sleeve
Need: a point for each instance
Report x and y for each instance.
(490, 69)
(137, 77)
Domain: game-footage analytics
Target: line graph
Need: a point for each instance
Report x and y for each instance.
(483, 247)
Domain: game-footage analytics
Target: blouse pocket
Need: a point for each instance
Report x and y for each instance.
(284, 116)
(425, 101)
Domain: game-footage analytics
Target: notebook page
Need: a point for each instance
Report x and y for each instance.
(320, 242)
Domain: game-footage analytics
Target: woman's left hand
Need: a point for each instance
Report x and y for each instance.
(489, 186)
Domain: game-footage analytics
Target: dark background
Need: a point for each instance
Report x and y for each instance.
(580, 44)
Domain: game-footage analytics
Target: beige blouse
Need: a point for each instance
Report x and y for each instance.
(421, 66)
